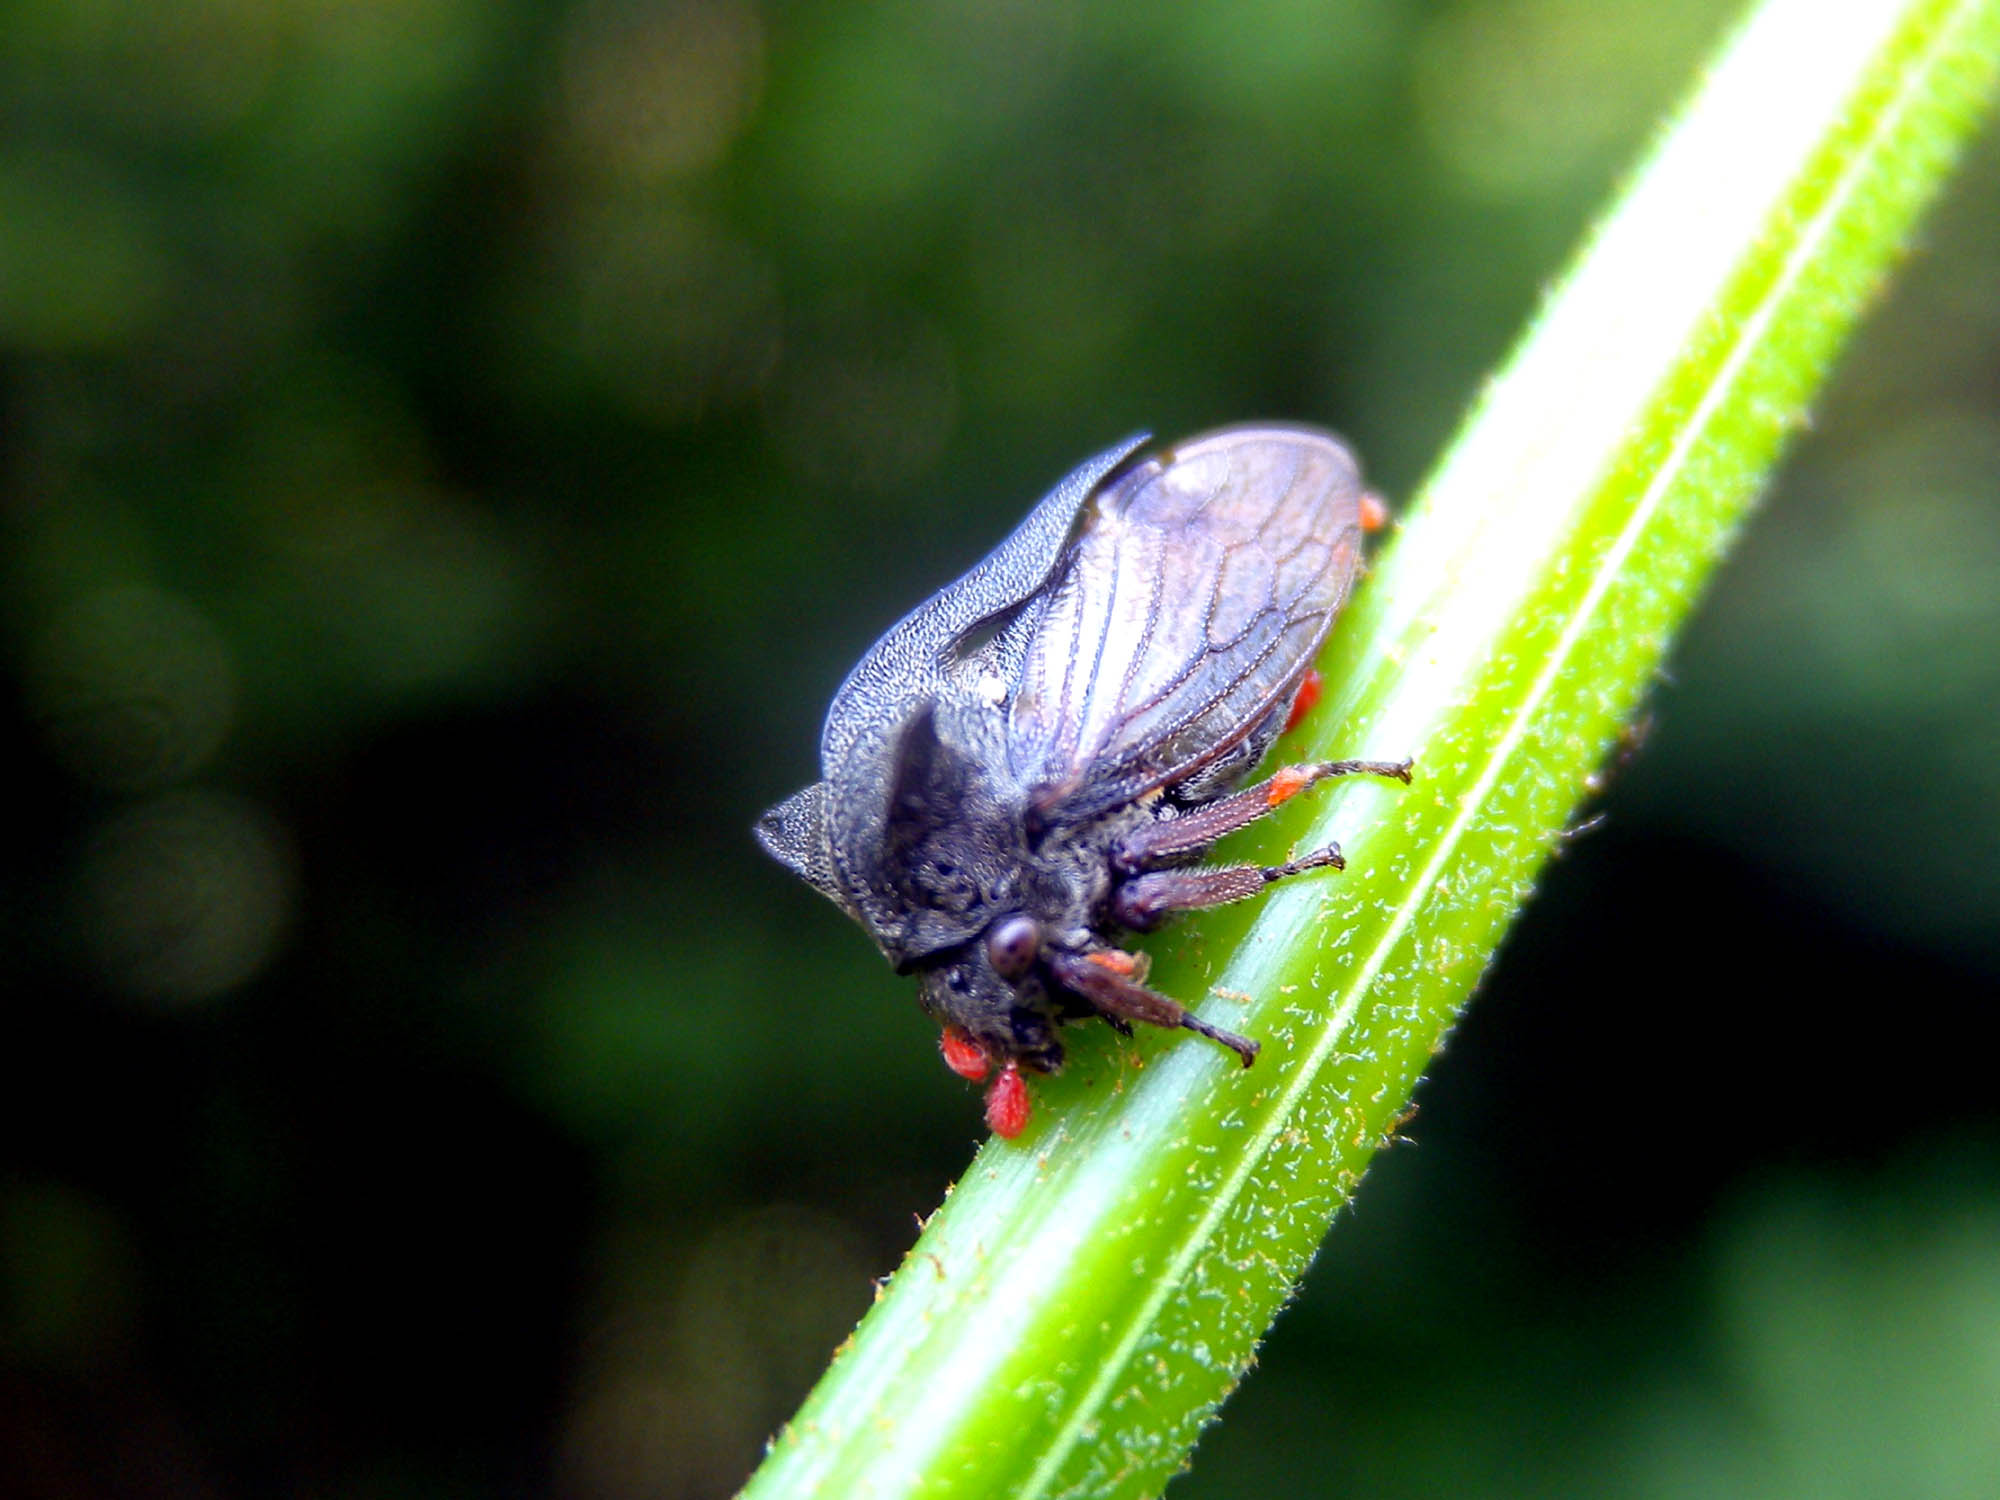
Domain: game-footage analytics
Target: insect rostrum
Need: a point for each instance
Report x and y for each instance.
(1039, 755)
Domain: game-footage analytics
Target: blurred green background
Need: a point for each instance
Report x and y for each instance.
(451, 450)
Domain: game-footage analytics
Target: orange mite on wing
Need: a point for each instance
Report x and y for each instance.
(1374, 514)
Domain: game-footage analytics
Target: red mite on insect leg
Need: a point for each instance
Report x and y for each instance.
(1039, 757)
(1007, 1103)
(963, 1055)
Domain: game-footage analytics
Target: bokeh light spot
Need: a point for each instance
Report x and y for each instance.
(689, 1368)
(132, 687)
(1521, 96)
(659, 91)
(79, 268)
(184, 896)
(669, 313)
(67, 1284)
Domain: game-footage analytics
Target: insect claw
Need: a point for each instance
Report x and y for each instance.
(1242, 1046)
(1395, 770)
(1329, 858)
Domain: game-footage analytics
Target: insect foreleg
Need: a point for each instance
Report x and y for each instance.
(1101, 978)
(1192, 832)
(1143, 900)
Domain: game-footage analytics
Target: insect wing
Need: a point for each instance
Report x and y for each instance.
(904, 670)
(1195, 597)
(901, 712)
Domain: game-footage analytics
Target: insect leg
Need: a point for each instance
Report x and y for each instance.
(1171, 838)
(1143, 900)
(1101, 978)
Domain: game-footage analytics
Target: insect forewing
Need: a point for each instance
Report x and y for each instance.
(1196, 594)
(839, 837)
(903, 670)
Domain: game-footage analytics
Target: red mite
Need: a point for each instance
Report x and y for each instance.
(1007, 1103)
(963, 1055)
(1308, 697)
(1037, 759)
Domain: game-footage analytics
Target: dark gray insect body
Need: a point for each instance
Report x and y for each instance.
(1035, 757)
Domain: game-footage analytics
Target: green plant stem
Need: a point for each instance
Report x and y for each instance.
(1091, 1292)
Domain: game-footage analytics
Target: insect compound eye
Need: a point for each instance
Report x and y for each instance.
(1012, 945)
